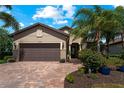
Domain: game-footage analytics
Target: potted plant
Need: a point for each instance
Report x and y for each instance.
(104, 70)
(121, 68)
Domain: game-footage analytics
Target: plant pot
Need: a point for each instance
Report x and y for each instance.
(93, 70)
(121, 68)
(105, 70)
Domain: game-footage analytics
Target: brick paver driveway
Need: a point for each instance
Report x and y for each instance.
(35, 74)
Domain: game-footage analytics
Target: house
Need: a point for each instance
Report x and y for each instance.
(39, 42)
(117, 45)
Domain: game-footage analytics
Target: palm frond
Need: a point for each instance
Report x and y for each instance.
(9, 20)
(7, 6)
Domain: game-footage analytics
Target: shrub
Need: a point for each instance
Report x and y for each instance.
(70, 78)
(114, 61)
(7, 57)
(2, 61)
(93, 76)
(122, 54)
(11, 60)
(81, 70)
(62, 60)
(91, 59)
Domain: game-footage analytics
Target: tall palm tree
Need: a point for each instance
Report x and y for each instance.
(88, 20)
(119, 11)
(8, 19)
(111, 26)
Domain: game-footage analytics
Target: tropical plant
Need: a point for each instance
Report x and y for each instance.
(8, 19)
(111, 26)
(91, 60)
(88, 24)
(119, 11)
(5, 42)
(70, 78)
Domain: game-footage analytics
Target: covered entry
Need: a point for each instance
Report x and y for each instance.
(74, 50)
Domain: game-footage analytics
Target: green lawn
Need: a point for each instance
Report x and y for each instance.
(104, 85)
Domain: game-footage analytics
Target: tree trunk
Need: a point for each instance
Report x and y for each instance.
(98, 41)
(107, 50)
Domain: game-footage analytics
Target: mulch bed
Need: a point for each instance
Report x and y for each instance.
(84, 81)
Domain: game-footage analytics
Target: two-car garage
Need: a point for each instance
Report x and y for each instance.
(39, 52)
(40, 42)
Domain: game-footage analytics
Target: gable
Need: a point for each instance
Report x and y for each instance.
(39, 34)
(37, 28)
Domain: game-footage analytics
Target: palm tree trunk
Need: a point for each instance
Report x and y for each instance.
(98, 41)
(107, 49)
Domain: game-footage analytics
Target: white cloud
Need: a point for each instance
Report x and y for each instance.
(58, 14)
(60, 22)
(47, 12)
(21, 24)
(70, 10)
(117, 5)
(51, 25)
(31, 23)
(3, 9)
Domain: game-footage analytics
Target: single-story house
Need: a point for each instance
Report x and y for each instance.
(117, 45)
(40, 42)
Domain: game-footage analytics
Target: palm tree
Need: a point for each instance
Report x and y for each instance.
(88, 21)
(119, 11)
(8, 19)
(6, 42)
(111, 26)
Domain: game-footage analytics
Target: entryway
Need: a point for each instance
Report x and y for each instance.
(74, 50)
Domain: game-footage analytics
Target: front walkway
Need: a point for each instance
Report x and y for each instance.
(35, 74)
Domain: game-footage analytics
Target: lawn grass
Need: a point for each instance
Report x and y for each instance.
(109, 85)
(114, 61)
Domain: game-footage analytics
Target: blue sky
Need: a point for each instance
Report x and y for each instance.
(53, 15)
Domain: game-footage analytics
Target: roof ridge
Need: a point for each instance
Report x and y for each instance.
(35, 24)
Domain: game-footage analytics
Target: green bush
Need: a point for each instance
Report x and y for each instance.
(91, 59)
(114, 61)
(11, 60)
(2, 61)
(7, 57)
(81, 70)
(70, 78)
(93, 76)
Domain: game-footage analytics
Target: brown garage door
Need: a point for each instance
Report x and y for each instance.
(40, 52)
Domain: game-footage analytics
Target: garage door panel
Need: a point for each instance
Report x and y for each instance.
(40, 53)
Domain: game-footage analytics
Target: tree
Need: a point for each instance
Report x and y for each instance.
(87, 21)
(8, 19)
(119, 11)
(5, 42)
(111, 26)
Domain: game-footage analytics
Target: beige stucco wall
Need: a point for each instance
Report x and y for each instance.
(78, 40)
(31, 37)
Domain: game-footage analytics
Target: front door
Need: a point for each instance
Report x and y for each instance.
(74, 50)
